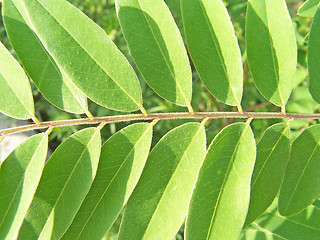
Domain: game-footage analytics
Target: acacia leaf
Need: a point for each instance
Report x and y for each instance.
(220, 200)
(301, 186)
(308, 8)
(41, 68)
(314, 57)
(159, 203)
(214, 48)
(271, 48)
(85, 54)
(16, 97)
(273, 152)
(122, 159)
(19, 177)
(157, 48)
(66, 179)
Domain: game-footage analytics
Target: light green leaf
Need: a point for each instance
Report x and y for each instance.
(272, 226)
(159, 203)
(39, 65)
(271, 48)
(220, 199)
(19, 177)
(314, 57)
(301, 101)
(262, 234)
(273, 152)
(301, 186)
(85, 54)
(214, 48)
(122, 159)
(157, 48)
(16, 97)
(65, 181)
(308, 8)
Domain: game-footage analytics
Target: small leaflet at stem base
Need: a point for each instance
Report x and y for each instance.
(154, 122)
(49, 131)
(143, 110)
(35, 120)
(190, 108)
(88, 113)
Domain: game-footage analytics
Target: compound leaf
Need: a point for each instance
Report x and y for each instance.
(85, 54)
(16, 97)
(157, 48)
(159, 203)
(55, 86)
(66, 179)
(19, 177)
(271, 48)
(273, 152)
(218, 58)
(122, 159)
(314, 57)
(301, 186)
(220, 199)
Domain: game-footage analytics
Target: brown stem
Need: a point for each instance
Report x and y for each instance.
(302, 67)
(157, 116)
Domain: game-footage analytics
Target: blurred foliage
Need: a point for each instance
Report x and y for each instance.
(104, 14)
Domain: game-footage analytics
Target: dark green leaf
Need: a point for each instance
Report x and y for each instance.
(65, 181)
(54, 86)
(157, 48)
(214, 48)
(308, 8)
(85, 54)
(272, 226)
(19, 177)
(301, 186)
(122, 159)
(159, 203)
(273, 153)
(16, 97)
(271, 48)
(314, 57)
(220, 199)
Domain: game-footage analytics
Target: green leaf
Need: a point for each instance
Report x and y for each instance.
(273, 152)
(159, 203)
(16, 100)
(308, 8)
(252, 234)
(122, 159)
(271, 225)
(314, 57)
(157, 48)
(220, 199)
(85, 54)
(54, 86)
(65, 181)
(271, 48)
(19, 177)
(301, 186)
(218, 58)
(301, 101)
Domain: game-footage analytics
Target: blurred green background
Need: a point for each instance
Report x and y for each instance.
(104, 14)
